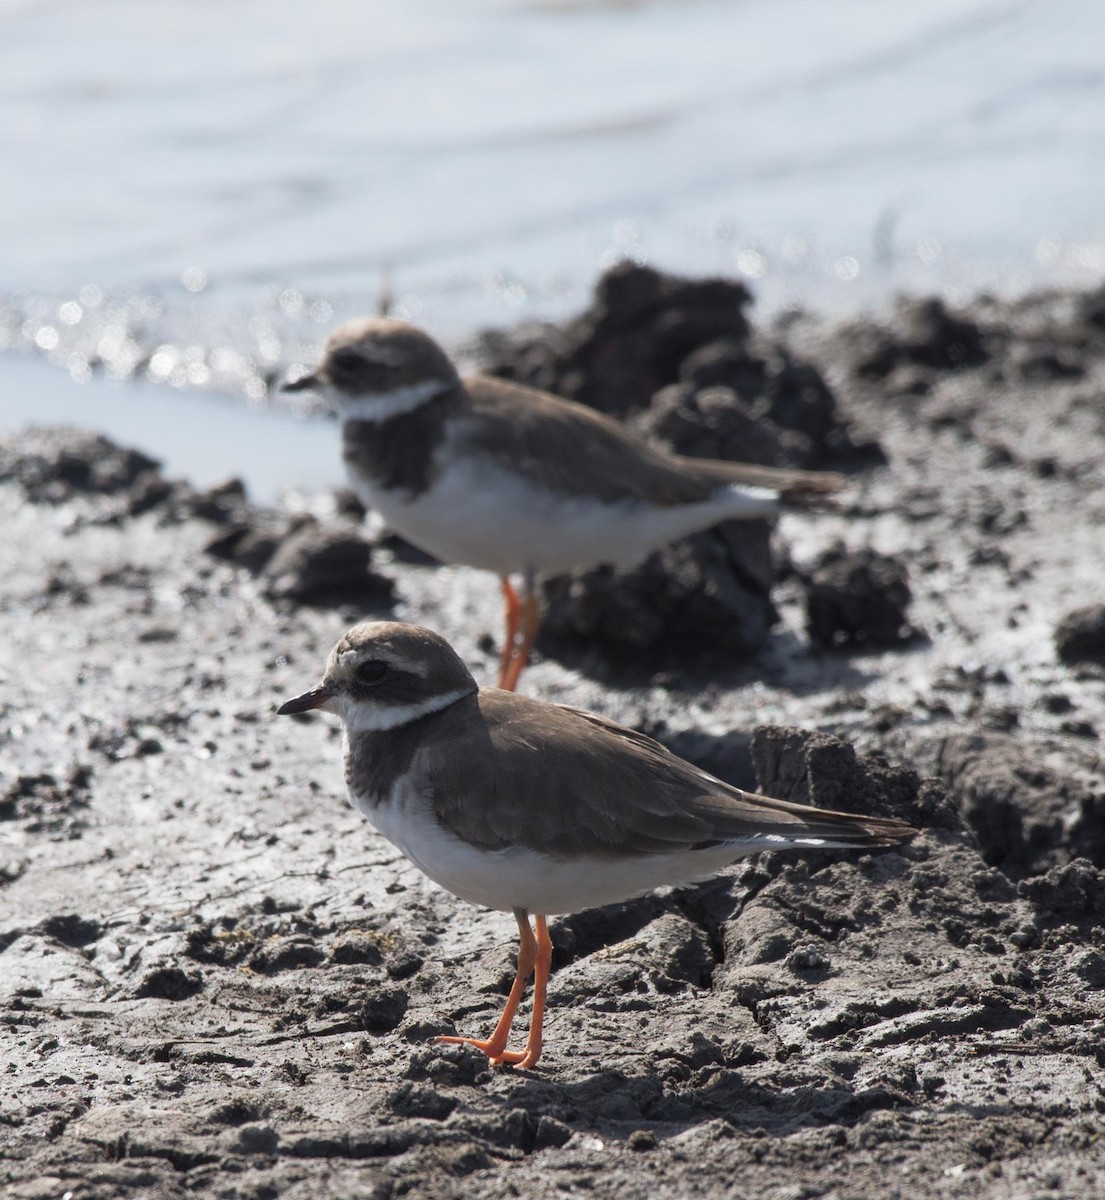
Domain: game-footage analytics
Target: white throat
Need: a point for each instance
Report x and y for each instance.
(362, 716)
(385, 405)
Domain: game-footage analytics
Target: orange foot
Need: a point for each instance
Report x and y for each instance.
(497, 1057)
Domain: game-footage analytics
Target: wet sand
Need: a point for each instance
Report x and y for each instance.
(215, 979)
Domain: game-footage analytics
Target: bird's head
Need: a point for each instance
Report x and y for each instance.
(384, 674)
(375, 368)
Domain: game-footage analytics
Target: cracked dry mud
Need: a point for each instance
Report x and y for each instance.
(216, 980)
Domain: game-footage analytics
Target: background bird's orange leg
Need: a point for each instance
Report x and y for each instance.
(528, 953)
(532, 1052)
(510, 636)
(530, 622)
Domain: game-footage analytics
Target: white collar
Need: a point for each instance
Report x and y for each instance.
(387, 404)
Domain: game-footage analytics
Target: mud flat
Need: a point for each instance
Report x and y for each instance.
(216, 980)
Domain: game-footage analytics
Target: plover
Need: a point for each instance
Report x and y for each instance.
(535, 808)
(518, 481)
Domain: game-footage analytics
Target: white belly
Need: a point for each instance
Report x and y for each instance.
(499, 521)
(521, 878)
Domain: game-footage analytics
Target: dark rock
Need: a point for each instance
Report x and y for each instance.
(347, 504)
(448, 1065)
(255, 1139)
(726, 363)
(924, 333)
(357, 948)
(301, 561)
(1080, 635)
(707, 594)
(1089, 966)
(237, 1111)
(715, 422)
(411, 1100)
(54, 465)
(403, 964)
(169, 983)
(807, 960)
(797, 398)
(822, 770)
(250, 543)
(643, 332)
(675, 953)
(632, 340)
(1091, 310)
(550, 1133)
(325, 567)
(72, 929)
(857, 598)
(285, 954)
(222, 503)
(1072, 892)
(44, 802)
(384, 1008)
(1027, 816)
(1046, 365)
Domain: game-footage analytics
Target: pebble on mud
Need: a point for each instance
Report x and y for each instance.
(169, 983)
(384, 1008)
(1080, 635)
(857, 598)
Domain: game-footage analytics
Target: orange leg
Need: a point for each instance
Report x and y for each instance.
(529, 952)
(512, 615)
(529, 624)
(532, 1052)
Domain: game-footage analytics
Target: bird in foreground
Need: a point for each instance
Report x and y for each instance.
(535, 808)
(518, 481)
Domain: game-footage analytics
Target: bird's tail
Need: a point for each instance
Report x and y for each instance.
(757, 822)
(801, 825)
(794, 488)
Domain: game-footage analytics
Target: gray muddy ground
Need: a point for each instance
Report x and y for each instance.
(216, 980)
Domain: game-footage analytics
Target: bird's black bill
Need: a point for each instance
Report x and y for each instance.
(315, 698)
(303, 384)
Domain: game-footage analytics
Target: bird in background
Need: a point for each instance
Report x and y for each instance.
(535, 808)
(517, 481)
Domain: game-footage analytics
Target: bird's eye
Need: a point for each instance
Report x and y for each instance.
(372, 671)
(345, 364)
(350, 366)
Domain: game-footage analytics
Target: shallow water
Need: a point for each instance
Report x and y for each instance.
(196, 192)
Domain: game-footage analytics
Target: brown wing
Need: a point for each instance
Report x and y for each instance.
(576, 448)
(567, 782)
(573, 447)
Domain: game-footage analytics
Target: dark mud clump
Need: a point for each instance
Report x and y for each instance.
(639, 329)
(1080, 635)
(1028, 813)
(923, 334)
(301, 560)
(58, 466)
(858, 598)
(706, 595)
(53, 466)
